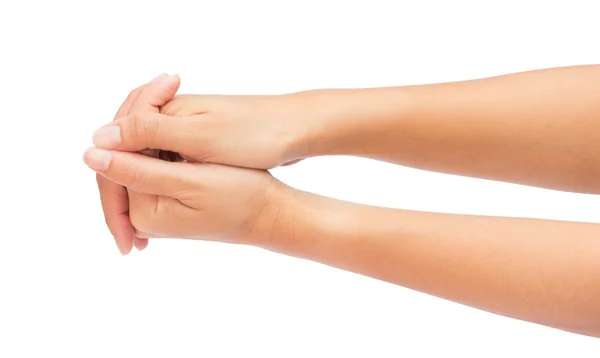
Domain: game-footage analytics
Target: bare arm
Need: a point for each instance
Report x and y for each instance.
(547, 272)
(539, 128)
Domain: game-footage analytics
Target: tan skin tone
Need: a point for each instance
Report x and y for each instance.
(115, 198)
(539, 128)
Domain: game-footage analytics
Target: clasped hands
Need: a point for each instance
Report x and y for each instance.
(489, 128)
(223, 191)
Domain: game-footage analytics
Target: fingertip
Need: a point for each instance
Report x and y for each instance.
(162, 91)
(124, 249)
(97, 159)
(173, 82)
(124, 236)
(141, 243)
(159, 78)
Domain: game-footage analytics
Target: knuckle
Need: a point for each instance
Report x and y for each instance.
(134, 175)
(144, 128)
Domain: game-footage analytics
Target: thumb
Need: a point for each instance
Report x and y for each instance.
(139, 172)
(138, 132)
(156, 94)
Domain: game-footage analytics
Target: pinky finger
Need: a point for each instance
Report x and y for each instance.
(140, 243)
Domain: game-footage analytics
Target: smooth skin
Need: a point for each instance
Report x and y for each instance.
(115, 198)
(539, 128)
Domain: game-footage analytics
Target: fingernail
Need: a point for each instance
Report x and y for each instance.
(108, 137)
(159, 78)
(97, 159)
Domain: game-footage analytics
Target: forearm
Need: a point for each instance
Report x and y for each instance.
(539, 128)
(546, 272)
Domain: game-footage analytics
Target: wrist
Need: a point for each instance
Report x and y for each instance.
(313, 132)
(306, 225)
(349, 121)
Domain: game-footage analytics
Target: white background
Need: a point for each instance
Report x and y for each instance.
(66, 67)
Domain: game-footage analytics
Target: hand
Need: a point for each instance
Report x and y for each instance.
(194, 200)
(115, 201)
(247, 131)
